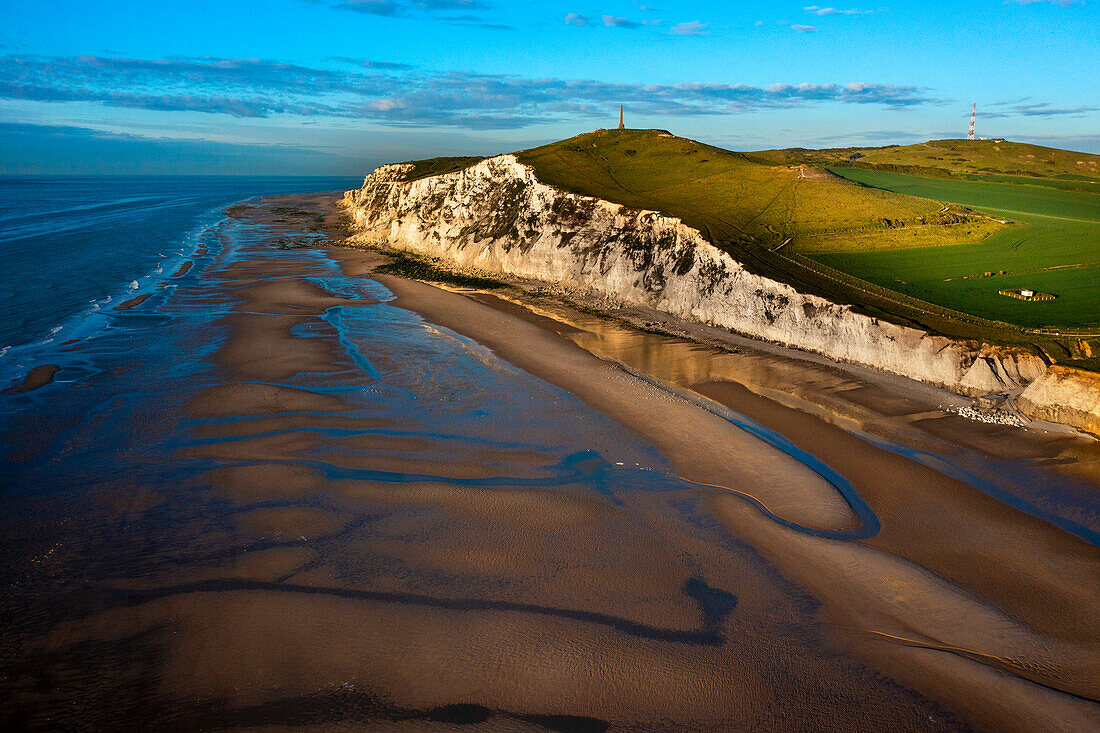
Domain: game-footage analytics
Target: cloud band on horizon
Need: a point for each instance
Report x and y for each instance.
(389, 94)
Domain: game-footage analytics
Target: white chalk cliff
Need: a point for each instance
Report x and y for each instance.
(498, 217)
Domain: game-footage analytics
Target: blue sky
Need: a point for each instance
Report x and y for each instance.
(338, 86)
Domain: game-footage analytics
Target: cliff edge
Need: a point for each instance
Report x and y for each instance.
(498, 217)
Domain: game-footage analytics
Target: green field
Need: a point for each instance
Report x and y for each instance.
(950, 158)
(1055, 249)
(1064, 182)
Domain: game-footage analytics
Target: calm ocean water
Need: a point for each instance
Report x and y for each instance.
(72, 245)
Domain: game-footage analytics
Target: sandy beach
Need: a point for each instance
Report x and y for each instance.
(992, 605)
(387, 504)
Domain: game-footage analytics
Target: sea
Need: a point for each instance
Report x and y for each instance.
(73, 247)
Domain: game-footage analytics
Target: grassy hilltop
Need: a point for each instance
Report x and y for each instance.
(955, 158)
(740, 202)
(924, 235)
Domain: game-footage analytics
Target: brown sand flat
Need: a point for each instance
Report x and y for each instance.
(266, 349)
(36, 378)
(704, 447)
(938, 637)
(292, 522)
(229, 400)
(245, 484)
(950, 531)
(948, 538)
(854, 398)
(525, 608)
(947, 526)
(288, 295)
(184, 269)
(133, 302)
(245, 426)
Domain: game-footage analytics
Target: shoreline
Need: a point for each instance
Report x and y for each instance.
(672, 673)
(541, 295)
(640, 257)
(951, 620)
(370, 480)
(929, 417)
(905, 538)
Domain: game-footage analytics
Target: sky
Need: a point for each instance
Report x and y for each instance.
(336, 87)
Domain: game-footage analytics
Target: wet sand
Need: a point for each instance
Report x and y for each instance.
(955, 591)
(133, 302)
(704, 447)
(370, 543)
(36, 378)
(558, 648)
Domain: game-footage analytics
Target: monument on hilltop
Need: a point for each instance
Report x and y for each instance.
(621, 125)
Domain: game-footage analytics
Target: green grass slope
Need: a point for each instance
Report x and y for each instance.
(438, 166)
(738, 202)
(954, 158)
(1056, 251)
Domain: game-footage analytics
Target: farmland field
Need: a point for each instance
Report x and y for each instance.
(1055, 248)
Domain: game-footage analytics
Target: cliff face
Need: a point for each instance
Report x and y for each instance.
(1064, 395)
(497, 216)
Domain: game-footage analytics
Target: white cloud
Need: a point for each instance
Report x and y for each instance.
(617, 21)
(1059, 3)
(817, 10)
(803, 28)
(257, 88)
(576, 19)
(1026, 108)
(691, 28)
